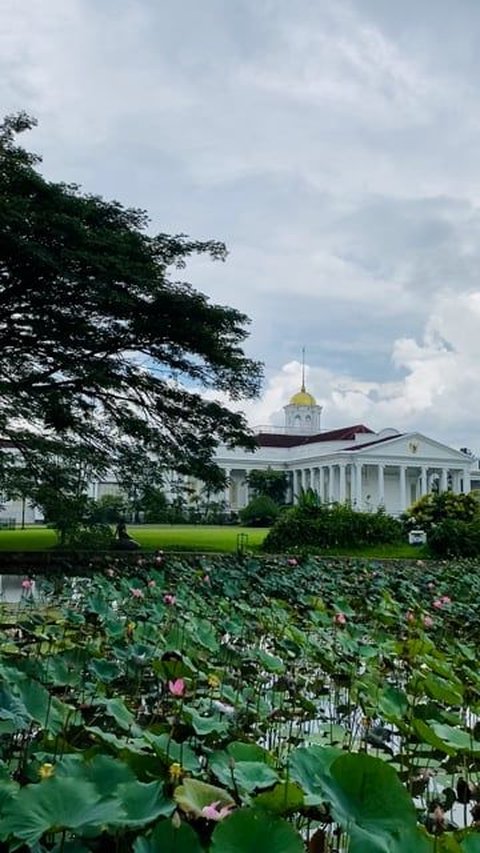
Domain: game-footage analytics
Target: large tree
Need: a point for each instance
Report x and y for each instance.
(103, 352)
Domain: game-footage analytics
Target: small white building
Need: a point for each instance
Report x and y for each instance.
(355, 464)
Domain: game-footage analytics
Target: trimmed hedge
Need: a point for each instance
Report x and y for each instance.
(331, 527)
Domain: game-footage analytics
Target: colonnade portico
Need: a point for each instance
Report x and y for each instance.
(363, 484)
(366, 485)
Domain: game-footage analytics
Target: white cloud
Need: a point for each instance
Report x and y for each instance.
(439, 392)
(333, 145)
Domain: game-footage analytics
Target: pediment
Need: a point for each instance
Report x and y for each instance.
(411, 447)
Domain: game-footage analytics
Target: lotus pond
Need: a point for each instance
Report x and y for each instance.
(235, 705)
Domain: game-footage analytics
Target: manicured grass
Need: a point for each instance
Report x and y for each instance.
(196, 537)
(168, 537)
(30, 539)
(150, 537)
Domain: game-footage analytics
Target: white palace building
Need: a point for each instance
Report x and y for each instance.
(368, 469)
(355, 464)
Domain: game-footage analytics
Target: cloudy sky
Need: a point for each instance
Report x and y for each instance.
(334, 146)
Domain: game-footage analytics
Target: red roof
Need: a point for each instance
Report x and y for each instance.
(273, 439)
(377, 441)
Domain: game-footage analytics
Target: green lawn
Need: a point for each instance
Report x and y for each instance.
(151, 537)
(198, 538)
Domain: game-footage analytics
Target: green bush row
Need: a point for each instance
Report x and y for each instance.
(455, 538)
(331, 526)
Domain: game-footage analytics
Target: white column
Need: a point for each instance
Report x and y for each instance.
(342, 483)
(321, 483)
(381, 485)
(423, 481)
(297, 483)
(466, 481)
(444, 480)
(226, 495)
(244, 490)
(331, 490)
(403, 487)
(358, 485)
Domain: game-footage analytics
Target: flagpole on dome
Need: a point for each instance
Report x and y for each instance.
(303, 369)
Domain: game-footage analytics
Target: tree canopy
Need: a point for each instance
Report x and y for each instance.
(104, 353)
(270, 482)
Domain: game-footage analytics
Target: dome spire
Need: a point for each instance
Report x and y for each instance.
(303, 397)
(302, 414)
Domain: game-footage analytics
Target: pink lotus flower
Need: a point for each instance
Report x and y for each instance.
(151, 584)
(340, 619)
(137, 593)
(110, 573)
(177, 687)
(27, 585)
(431, 585)
(292, 561)
(169, 599)
(442, 601)
(212, 812)
(427, 621)
(410, 616)
(206, 579)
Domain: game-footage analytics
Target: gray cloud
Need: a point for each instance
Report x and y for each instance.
(334, 146)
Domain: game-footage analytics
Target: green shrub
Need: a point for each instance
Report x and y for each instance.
(95, 537)
(455, 538)
(331, 527)
(109, 509)
(260, 512)
(432, 509)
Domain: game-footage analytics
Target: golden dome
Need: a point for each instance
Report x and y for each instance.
(303, 398)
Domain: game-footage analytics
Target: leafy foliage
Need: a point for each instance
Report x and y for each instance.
(236, 704)
(436, 507)
(94, 325)
(270, 482)
(259, 512)
(455, 538)
(310, 524)
(109, 509)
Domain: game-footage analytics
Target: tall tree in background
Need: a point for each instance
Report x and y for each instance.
(94, 325)
(269, 483)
